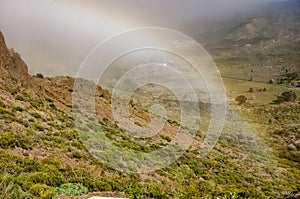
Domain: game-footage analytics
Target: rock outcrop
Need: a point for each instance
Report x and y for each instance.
(11, 63)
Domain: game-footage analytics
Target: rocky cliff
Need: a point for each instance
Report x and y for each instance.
(11, 63)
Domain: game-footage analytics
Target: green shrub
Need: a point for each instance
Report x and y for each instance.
(23, 195)
(3, 110)
(39, 75)
(2, 104)
(154, 190)
(86, 181)
(134, 191)
(51, 123)
(61, 117)
(138, 123)
(49, 176)
(165, 137)
(53, 106)
(35, 115)
(100, 185)
(70, 189)
(8, 117)
(17, 108)
(24, 142)
(70, 135)
(241, 99)
(42, 191)
(19, 97)
(37, 126)
(289, 96)
(37, 103)
(8, 140)
(49, 100)
(115, 185)
(7, 188)
(79, 155)
(14, 91)
(172, 122)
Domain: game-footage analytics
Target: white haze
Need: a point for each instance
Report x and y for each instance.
(54, 36)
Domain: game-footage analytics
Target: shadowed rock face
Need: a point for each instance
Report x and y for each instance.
(11, 64)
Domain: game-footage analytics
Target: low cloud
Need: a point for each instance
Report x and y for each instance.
(54, 36)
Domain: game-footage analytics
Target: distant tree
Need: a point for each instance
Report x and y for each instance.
(241, 99)
(251, 90)
(289, 96)
(292, 76)
(39, 75)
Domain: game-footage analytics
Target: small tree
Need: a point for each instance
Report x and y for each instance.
(39, 75)
(289, 96)
(251, 90)
(241, 99)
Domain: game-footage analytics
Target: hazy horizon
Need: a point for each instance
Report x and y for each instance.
(54, 36)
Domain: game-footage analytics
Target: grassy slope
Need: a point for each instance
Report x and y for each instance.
(48, 153)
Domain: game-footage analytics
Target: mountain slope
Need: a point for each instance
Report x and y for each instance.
(260, 46)
(40, 148)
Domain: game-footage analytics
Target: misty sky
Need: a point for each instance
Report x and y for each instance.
(54, 36)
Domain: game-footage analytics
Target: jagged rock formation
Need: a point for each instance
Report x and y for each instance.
(11, 63)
